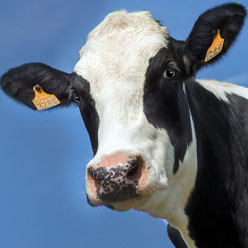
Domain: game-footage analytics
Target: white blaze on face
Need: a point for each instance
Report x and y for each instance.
(114, 61)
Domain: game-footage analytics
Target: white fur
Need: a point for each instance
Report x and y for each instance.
(222, 89)
(114, 60)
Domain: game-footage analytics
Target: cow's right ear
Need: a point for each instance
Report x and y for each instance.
(23, 82)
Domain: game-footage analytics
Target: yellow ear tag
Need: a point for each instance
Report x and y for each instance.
(216, 47)
(42, 100)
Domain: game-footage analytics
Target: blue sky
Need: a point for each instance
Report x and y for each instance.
(43, 154)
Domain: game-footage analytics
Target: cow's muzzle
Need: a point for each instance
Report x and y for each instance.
(115, 182)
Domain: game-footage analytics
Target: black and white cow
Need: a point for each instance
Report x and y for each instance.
(164, 142)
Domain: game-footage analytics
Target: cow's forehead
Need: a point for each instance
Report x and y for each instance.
(118, 51)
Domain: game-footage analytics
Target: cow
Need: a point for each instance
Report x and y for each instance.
(164, 142)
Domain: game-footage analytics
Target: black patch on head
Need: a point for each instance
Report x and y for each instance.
(217, 208)
(86, 103)
(176, 237)
(165, 103)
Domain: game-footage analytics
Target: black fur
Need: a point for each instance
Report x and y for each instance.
(175, 237)
(81, 87)
(229, 18)
(165, 103)
(217, 208)
(18, 83)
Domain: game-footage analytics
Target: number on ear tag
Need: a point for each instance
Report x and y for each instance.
(216, 47)
(42, 100)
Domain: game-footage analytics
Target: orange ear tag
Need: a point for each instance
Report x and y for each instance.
(216, 47)
(42, 100)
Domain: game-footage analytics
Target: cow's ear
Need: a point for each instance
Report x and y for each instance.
(49, 86)
(212, 35)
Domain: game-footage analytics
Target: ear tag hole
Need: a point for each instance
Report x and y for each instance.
(43, 100)
(38, 88)
(216, 47)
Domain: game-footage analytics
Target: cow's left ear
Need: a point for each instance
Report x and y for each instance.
(212, 35)
(38, 86)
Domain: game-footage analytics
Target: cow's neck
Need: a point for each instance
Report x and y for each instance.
(216, 208)
(176, 196)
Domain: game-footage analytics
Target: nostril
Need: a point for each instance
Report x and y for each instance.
(134, 173)
(133, 161)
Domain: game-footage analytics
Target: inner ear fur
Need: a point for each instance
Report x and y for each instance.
(228, 18)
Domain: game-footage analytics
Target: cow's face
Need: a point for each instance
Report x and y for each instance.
(136, 154)
(130, 86)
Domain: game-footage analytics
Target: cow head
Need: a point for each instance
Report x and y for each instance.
(129, 85)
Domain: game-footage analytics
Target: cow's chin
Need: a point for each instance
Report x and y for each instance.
(133, 203)
(121, 206)
(144, 201)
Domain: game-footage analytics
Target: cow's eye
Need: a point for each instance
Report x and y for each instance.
(170, 73)
(76, 98)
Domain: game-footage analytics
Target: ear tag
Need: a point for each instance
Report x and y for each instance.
(42, 100)
(216, 47)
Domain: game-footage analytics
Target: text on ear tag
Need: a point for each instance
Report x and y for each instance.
(216, 47)
(42, 100)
